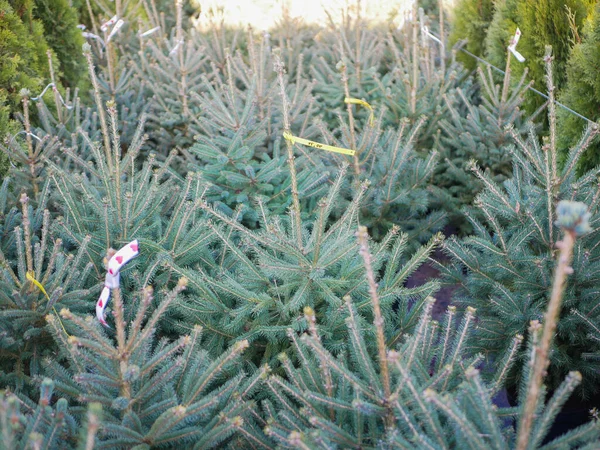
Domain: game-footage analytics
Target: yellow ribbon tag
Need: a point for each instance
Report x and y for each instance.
(29, 276)
(330, 148)
(357, 101)
(40, 286)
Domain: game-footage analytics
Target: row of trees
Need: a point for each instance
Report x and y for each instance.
(260, 312)
(31, 33)
(571, 27)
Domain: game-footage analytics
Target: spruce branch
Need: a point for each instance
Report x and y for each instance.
(31, 160)
(87, 52)
(572, 218)
(448, 326)
(548, 58)
(506, 363)
(27, 231)
(457, 416)
(181, 57)
(344, 76)
(415, 60)
(363, 237)
(553, 407)
(442, 37)
(57, 100)
(27, 124)
(309, 314)
(94, 417)
(296, 220)
(421, 330)
(505, 82)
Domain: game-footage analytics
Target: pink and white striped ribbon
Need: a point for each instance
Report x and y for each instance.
(513, 46)
(109, 23)
(118, 260)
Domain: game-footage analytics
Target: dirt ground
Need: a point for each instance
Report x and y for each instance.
(425, 273)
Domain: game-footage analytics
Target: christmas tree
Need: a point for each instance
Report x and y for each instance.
(510, 258)
(219, 245)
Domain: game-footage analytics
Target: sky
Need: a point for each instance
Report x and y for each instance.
(262, 14)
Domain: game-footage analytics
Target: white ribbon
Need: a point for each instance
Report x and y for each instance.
(425, 31)
(53, 86)
(12, 140)
(175, 49)
(119, 259)
(108, 23)
(87, 35)
(115, 29)
(149, 32)
(513, 46)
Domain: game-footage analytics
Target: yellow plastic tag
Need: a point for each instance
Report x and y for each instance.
(357, 101)
(29, 276)
(330, 148)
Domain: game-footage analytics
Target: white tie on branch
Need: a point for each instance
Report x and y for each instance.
(87, 35)
(149, 32)
(53, 86)
(513, 46)
(115, 263)
(176, 48)
(13, 139)
(426, 32)
(115, 29)
(109, 23)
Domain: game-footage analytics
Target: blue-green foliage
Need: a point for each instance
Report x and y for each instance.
(437, 397)
(249, 240)
(48, 422)
(263, 279)
(29, 252)
(238, 150)
(475, 127)
(154, 392)
(509, 259)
